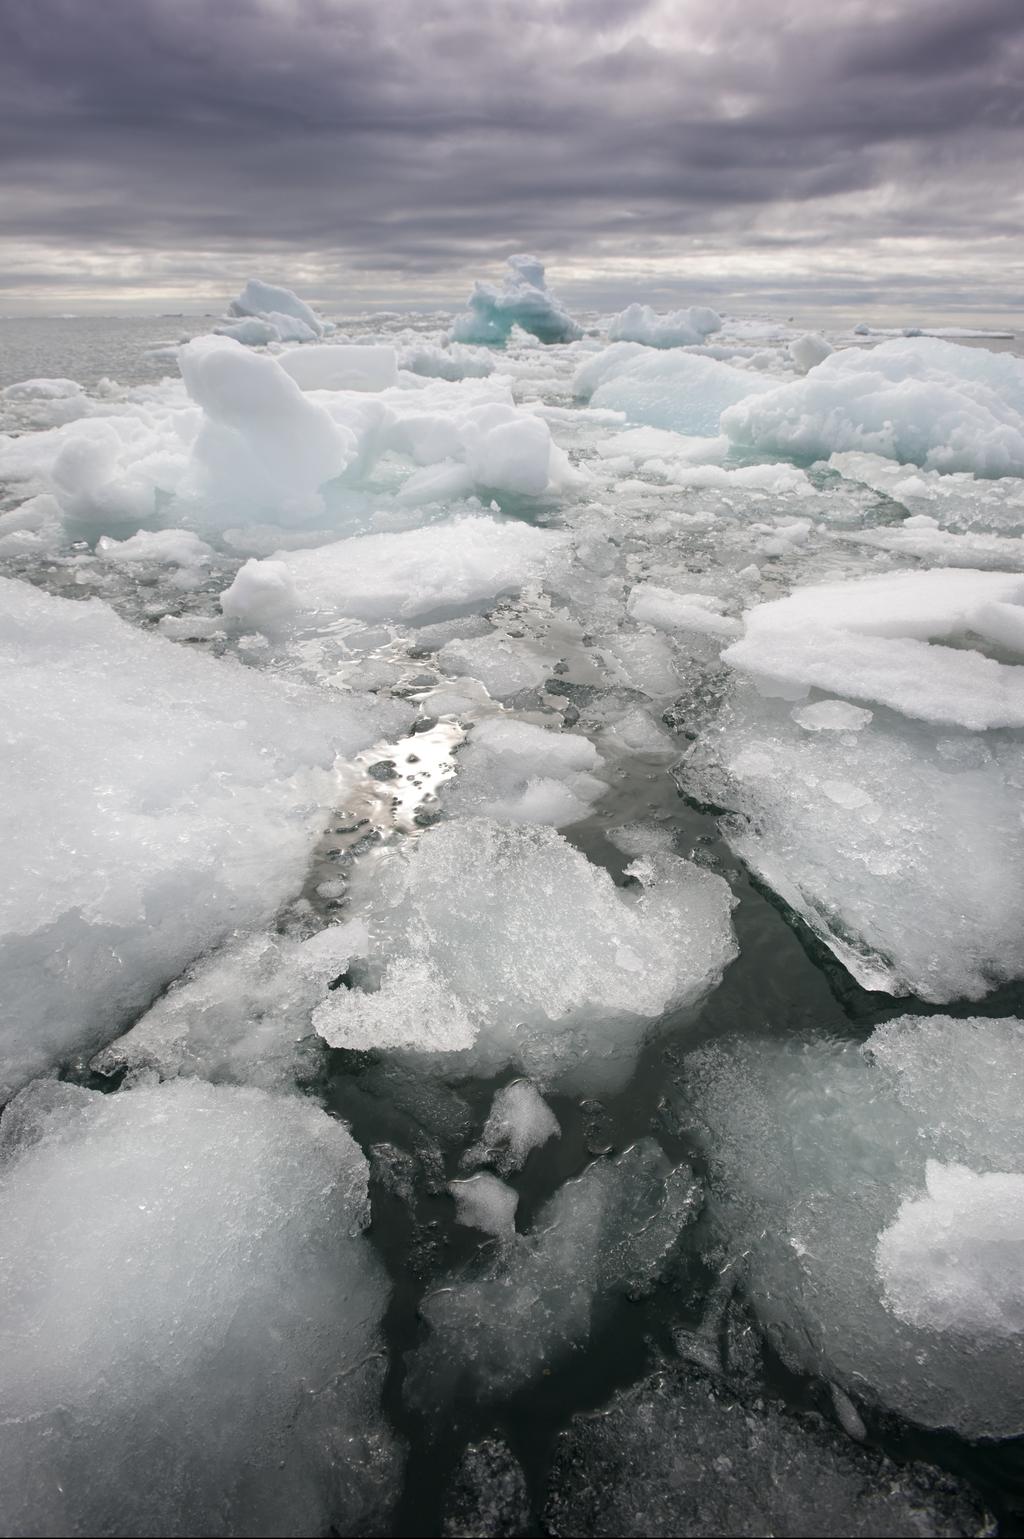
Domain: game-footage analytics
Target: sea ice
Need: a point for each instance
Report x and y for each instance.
(144, 818)
(396, 576)
(483, 1202)
(679, 328)
(524, 300)
(808, 351)
(516, 772)
(190, 1317)
(677, 390)
(520, 1120)
(340, 366)
(920, 401)
(269, 302)
(531, 953)
(680, 1453)
(609, 1233)
(819, 1153)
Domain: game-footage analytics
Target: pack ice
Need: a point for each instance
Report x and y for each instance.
(870, 1202)
(679, 328)
(501, 943)
(890, 826)
(190, 1317)
(158, 800)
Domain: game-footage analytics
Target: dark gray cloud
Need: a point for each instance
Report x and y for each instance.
(161, 142)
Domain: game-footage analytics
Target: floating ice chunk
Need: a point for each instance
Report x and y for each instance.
(524, 300)
(339, 366)
(832, 716)
(502, 667)
(922, 540)
(173, 547)
(677, 390)
(520, 1120)
(452, 361)
(210, 1317)
(263, 445)
(42, 390)
(956, 501)
(641, 838)
(242, 1015)
(399, 576)
(487, 1497)
(155, 799)
(917, 888)
(512, 937)
(269, 300)
(954, 1259)
(817, 1152)
(254, 331)
(611, 1232)
(920, 401)
(670, 611)
(604, 365)
(261, 594)
(484, 1202)
(679, 328)
(515, 772)
(808, 351)
(870, 639)
(680, 1453)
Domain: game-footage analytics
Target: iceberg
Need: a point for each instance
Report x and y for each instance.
(524, 300)
(291, 319)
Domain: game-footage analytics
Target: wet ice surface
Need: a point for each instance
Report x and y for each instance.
(585, 774)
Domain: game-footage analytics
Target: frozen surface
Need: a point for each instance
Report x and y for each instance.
(186, 1294)
(515, 772)
(523, 300)
(143, 821)
(610, 1232)
(678, 328)
(840, 1205)
(399, 576)
(920, 401)
(487, 1498)
(532, 954)
(679, 1453)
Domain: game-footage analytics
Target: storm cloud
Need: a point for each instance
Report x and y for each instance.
(395, 147)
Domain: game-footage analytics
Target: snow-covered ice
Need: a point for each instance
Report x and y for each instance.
(677, 328)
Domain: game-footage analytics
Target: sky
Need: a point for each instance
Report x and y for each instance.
(781, 155)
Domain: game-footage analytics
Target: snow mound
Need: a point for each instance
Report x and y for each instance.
(501, 944)
(920, 401)
(818, 1151)
(395, 576)
(143, 820)
(524, 300)
(210, 1316)
(679, 328)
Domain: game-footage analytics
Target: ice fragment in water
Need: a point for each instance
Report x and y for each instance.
(520, 1120)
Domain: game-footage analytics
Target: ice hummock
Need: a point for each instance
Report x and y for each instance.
(499, 944)
(524, 300)
(682, 1453)
(190, 1317)
(854, 1197)
(146, 818)
(677, 328)
(678, 390)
